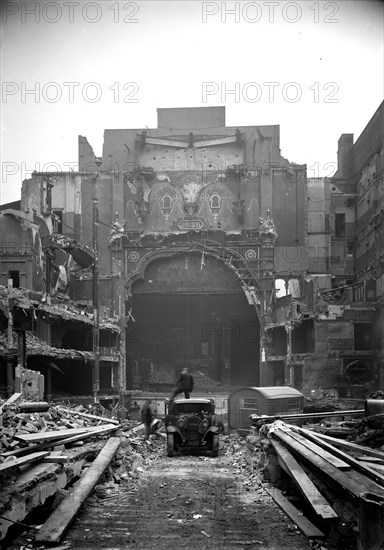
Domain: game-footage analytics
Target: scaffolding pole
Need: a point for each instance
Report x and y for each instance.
(122, 378)
(95, 299)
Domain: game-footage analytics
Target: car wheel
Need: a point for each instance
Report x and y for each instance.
(170, 444)
(215, 445)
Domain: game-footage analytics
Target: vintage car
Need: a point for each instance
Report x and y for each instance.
(191, 426)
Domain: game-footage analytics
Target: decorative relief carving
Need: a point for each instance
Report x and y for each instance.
(133, 256)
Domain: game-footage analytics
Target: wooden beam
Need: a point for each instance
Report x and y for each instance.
(59, 521)
(327, 471)
(305, 526)
(17, 462)
(371, 459)
(166, 142)
(314, 498)
(319, 450)
(56, 457)
(101, 430)
(348, 446)
(374, 466)
(87, 415)
(54, 434)
(215, 141)
(365, 470)
(15, 397)
(297, 416)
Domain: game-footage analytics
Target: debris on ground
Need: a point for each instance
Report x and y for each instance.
(51, 445)
(369, 431)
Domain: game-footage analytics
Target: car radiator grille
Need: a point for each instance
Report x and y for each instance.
(192, 429)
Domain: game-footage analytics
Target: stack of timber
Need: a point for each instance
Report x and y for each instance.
(340, 482)
(42, 449)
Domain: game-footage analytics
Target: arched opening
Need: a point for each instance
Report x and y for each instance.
(190, 310)
(357, 372)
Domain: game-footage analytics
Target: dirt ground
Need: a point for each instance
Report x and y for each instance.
(189, 502)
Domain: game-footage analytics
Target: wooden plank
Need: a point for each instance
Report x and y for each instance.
(215, 141)
(305, 526)
(317, 449)
(87, 415)
(59, 521)
(166, 142)
(327, 471)
(48, 435)
(27, 450)
(101, 430)
(348, 446)
(372, 459)
(17, 462)
(54, 434)
(365, 470)
(377, 467)
(286, 417)
(15, 397)
(310, 492)
(56, 457)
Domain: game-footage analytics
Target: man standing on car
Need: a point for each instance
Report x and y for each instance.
(184, 384)
(147, 416)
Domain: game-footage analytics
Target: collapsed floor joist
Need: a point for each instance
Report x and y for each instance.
(360, 490)
(305, 526)
(56, 525)
(314, 498)
(39, 481)
(352, 485)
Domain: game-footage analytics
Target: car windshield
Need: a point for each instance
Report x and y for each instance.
(196, 408)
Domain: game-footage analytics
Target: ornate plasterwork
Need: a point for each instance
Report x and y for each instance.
(168, 252)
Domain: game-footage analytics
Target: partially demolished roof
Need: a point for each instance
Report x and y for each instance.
(35, 346)
(64, 311)
(81, 253)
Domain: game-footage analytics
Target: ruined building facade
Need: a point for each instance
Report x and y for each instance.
(331, 336)
(213, 251)
(197, 216)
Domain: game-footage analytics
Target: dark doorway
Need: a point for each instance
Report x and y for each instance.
(278, 373)
(185, 315)
(364, 334)
(15, 276)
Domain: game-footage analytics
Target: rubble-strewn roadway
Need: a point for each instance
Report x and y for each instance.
(189, 502)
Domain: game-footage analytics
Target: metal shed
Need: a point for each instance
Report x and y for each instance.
(269, 400)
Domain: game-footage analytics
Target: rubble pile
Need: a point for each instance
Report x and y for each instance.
(16, 423)
(134, 455)
(163, 374)
(44, 448)
(369, 431)
(320, 401)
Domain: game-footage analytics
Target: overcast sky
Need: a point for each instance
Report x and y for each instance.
(109, 64)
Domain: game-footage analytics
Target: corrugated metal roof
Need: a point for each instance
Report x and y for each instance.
(197, 400)
(273, 392)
